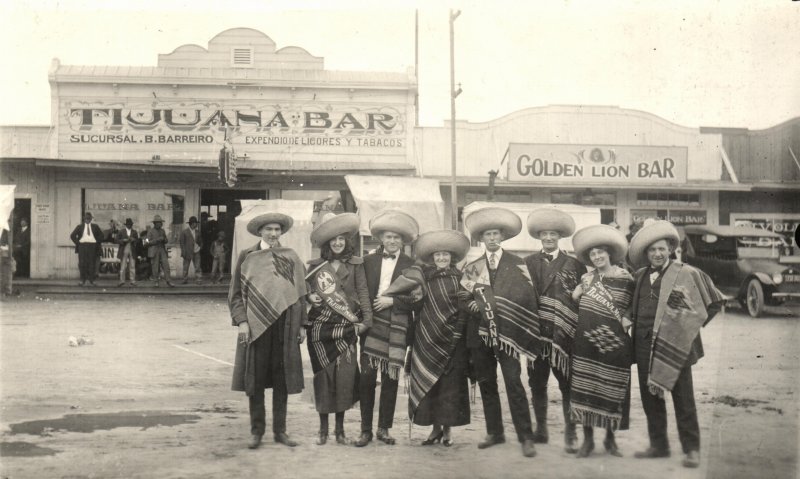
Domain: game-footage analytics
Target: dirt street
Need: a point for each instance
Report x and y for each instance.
(151, 398)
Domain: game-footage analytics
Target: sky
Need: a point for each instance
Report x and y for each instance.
(728, 63)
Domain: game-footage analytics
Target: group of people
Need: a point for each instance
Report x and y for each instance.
(88, 239)
(444, 325)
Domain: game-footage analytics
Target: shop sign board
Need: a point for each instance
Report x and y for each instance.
(612, 164)
(199, 128)
(785, 224)
(676, 217)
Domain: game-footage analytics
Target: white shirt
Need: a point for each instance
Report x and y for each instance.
(194, 237)
(497, 255)
(265, 245)
(87, 237)
(655, 274)
(387, 270)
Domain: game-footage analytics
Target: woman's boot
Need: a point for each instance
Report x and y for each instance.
(588, 442)
(611, 444)
(323, 430)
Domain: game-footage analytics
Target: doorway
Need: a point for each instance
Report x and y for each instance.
(218, 211)
(21, 239)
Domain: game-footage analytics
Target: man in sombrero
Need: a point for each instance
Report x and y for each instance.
(671, 302)
(267, 304)
(555, 276)
(383, 345)
(503, 325)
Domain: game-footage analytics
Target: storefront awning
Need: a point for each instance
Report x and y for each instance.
(6, 204)
(419, 197)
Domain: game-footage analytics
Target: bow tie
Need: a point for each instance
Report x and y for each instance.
(658, 270)
(548, 257)
(389, 256)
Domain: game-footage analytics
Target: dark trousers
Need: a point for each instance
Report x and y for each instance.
(655, 408)
(537, 381)
(485, 364)
(367, 384)
(194, 258)
(268, 350)
(87, 261)
(160, 259)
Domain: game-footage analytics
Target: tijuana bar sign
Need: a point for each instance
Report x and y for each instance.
(555, 163)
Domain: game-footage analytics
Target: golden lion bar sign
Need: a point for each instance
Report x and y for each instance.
(564, 164)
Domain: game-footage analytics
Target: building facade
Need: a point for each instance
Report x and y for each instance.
(135, 142)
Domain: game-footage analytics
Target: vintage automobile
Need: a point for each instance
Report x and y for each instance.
(752, 265)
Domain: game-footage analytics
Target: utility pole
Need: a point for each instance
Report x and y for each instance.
(453, 94)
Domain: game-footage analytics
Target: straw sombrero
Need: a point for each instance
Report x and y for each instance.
(333, 225)
(157, 219)
(658, 230)
(256, 223)
(454, 242)
(550, 219)
(395, 221)
(493, 217)
(599, 235)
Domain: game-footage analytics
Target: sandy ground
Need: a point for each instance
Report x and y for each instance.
(151, 398)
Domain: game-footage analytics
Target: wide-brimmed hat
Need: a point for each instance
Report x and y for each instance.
(658, 230)
(256, 223)
(396, 221)
(454, 242)
(599, 235)
(333, 225)
(88, 215)
(128, 222)
(157, 219)
(192, 219)
(493, 217)
(550, 219)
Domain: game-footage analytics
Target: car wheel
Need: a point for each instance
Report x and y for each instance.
(755, 298)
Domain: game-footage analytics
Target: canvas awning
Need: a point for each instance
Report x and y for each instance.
(419, 197)
(298, 238)
(6, 204)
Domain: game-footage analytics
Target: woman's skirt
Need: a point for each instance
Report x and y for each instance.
(447, 403)
(336, 386)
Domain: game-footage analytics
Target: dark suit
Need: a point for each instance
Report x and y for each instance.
(126, 253)
(485, 364)
(543, 274)
(22, 252)
(188, 243)
(88, 253)
(645, 303)
(369, 375)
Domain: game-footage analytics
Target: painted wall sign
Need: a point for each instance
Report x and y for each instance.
(257, 125)
(565, 164)
(676, 217)
(785, 224)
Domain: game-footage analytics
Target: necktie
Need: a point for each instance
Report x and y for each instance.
(389, 256)
(88, 232)
(548, 257)
(492, 261)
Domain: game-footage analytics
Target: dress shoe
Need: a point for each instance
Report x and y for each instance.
(171, 285)
(323, 438)
(528, 448)
(283, 438)
(491, 440)
(342, 439)
(133, 284)
(121, 284)
(586, 448)
(364, 439)
(446, 440)
(433, 438)
(651, 453)
(692, 459)
(255, 441)
(611, 446)
(384, 436)
(91, 283)
(82, 283)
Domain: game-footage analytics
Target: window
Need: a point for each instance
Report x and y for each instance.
(584, 198)
(667, 199)
(242, 57)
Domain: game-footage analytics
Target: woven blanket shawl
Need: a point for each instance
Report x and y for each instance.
(385, 345)
(332, 330)
(601, 355)
(516, 306)
(683, 299)
(438, 330)
(272, 280)
(559, 313)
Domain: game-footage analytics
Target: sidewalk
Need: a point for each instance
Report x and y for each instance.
(109, 286)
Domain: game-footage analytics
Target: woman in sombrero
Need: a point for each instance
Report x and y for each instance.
(601, 359)
(339, 304)
(438, 384)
